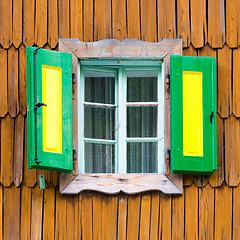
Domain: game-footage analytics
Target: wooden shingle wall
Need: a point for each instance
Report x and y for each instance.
(209, 207)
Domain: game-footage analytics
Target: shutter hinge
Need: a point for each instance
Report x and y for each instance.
(168, 79)
(167, 82)
(167, 161)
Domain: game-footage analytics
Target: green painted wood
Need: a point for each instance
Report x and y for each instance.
(190, 164)
(49, 160)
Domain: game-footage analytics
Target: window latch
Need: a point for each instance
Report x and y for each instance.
(38, 105)
(211, 117)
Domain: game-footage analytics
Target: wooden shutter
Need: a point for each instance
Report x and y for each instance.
(193, 115)
(49, 128)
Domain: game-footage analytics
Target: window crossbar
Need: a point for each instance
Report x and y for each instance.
(92, 104)
(101, 141)
(142, 139)
(140, 104)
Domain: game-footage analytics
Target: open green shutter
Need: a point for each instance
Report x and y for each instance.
(49, 128)
(193, 115)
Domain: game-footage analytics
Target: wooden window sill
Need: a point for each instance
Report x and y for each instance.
(127, 183)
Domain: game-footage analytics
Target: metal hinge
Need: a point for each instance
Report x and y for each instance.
(167, 161)
(168, 79)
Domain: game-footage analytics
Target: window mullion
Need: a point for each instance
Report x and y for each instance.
(122, 157)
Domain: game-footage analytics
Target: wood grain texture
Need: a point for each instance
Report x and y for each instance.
(72, 217)
(7, 136)
(53, 23)
(61, 217)
(122, 216)
(232, 151)
(190, 51)
(97, 215)
(28, 23)
(125, 49)
(201, 180)
(109, 217)
(87, 213)
(76, 19)
(148, 21)
(154, 221)
(166, 16)
(133, 19)
(178, 217)
(54, 178)
(36, 213)
(102, 20)
(1, 211)
(17, 23)
(63, 18)
(207, 51)
(236, 213)
(223, 212)
(18, 150)
(11, 209)
(183, 22)
(26, 196)
(6, 23)
(49, 214)
(232, 21)
(145, 216)
(114, 183)
(80, 214)
(13, 101)
(236, 82)
(198, 23)
(41, 23)
(3, 83)
(217, 178)
(206, 212)
(88, 20)
(165, 219)
(119, 22)
(22, 79)
(224, 82)
(191, 212)
(216, 23)
(29, 174)
(133, 217)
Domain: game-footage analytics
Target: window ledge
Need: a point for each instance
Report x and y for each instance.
(127, 183)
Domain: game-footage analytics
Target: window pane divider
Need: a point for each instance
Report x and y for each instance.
(142, 139)
(136, 104)
(104, 105)
(101, 141)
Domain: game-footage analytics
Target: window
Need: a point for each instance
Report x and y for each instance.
(123, 118)
(101, 111)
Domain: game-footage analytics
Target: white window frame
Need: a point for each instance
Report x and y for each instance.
(121, 116)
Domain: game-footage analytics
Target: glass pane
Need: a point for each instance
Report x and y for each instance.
(142, 157)
(99, 87)
(142, 121)
(99, 158)
(142, 86)
(99, 122)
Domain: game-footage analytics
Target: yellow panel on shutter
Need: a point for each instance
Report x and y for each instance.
(52, 113)
(192, 114)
